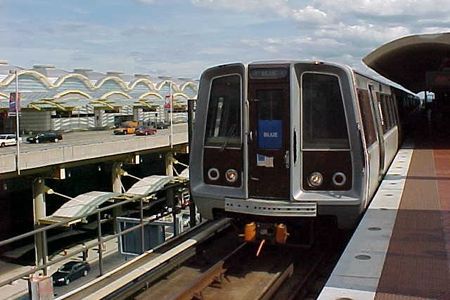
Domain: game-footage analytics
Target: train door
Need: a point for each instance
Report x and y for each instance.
(372, 148)
(269, 126)
(378, 126)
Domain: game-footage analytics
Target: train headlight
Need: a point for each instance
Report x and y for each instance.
(231, 175)
(315, 179)
(213, 174)
(339, 179)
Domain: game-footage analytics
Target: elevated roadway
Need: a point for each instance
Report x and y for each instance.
(79, 147)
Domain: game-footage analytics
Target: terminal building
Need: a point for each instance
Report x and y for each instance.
(55, 99)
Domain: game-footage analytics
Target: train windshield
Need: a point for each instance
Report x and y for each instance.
(324, 125)
(223, 127)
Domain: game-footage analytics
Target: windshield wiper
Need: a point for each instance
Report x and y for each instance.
(228, 136)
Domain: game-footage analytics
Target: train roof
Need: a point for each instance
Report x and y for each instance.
(381, 80)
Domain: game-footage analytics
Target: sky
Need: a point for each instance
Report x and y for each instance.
(181, 38)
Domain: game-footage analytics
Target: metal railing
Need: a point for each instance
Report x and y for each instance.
(146, 202)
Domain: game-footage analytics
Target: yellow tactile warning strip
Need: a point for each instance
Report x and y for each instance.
(417, 262)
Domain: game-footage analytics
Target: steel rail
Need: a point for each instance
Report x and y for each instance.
(142, 265)
(215, 273)
(196, 285)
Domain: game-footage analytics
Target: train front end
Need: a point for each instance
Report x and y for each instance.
(272, 145)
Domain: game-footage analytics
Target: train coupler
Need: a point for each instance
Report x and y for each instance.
(275, 233)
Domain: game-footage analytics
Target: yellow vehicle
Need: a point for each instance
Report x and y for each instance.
(127, 127)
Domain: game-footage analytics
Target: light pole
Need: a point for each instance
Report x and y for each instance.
(171, 114)
(16, 108)
(167, 79)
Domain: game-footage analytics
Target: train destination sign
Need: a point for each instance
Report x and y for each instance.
(268, 73)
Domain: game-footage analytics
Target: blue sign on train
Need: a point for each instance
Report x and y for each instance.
(270, 134)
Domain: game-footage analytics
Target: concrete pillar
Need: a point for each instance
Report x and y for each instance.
(39, 211)
(166, 115)
(137, 113)
(116, 188)
(169, 164)
(116, 177)
(98, 117)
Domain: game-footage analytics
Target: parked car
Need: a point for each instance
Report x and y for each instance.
(160, 125)
(145, 131)
(70, 271)
(124, 130)
(7, 139)
(43, 137)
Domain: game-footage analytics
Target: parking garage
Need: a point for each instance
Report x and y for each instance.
(55, 99)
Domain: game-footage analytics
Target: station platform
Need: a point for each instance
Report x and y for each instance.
(401, 248)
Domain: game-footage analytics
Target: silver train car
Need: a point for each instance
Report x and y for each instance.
(278, 142)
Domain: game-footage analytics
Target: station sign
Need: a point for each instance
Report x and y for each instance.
(270, 134)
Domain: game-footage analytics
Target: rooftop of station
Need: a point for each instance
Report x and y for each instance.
(47, 87)
(417, 62)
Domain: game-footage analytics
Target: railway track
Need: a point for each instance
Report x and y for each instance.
(139, 272)
(211, 262)
(228, 269)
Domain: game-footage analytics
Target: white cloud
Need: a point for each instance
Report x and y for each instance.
(146, 1)
(310, 14)
(279, 7)
(386, 7)
(200, 33)
(432, 29)
(367, 33)
(301, 48)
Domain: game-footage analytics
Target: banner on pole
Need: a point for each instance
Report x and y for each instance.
(167, 103)
(14, 101)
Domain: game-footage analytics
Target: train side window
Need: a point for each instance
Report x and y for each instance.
(385, 111)
(367, 117)
(223, 125)
(324, 122)
(395, 109)
(391, 110)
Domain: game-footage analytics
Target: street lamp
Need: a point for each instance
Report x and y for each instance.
(125, 173)
(52, 192)
(166, 78)
(16, 105)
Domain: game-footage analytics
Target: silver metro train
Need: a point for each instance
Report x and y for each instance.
(278, 142)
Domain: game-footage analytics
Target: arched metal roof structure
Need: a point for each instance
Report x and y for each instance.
(78, 207)
(43, 87)
(88, 202)
(148, 185)
(411, 59)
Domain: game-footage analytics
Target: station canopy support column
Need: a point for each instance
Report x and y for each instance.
(117, 188)
(169, 163)
(39, 212)
(117, 177)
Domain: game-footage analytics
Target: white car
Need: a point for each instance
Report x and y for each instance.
(7, 139)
